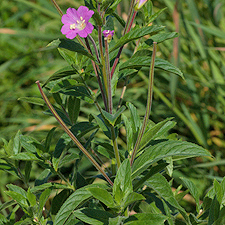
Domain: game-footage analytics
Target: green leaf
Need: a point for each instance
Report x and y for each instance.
(33, 100)
(129, 133)
(103, 196)
(122, 184)
(82, 128)
(71, 46)
(161, 38)
(145, 218)
(161, 186)
(27, 143)
(64, 72)
(93, 216)
(49, 139)
(42, 201)
(58, 200)
(113, 118)
(73, 108)
(25, 156)
(27, 170)
(19, 198)
(134, 34)
(17, 189)
(131, 198)
(135, 119)
(156, 131)
(31, 198)
(218, 191)
(100, 121)
(154, 16)
(72, 88)
(214, 211)
(71, 204)
(164, 149)
(7, 205)
(42, 187)
(144, 61)
(67, 159)
(155, 169)
(97, 18)
(3, 220)
(193, 190)
(16, 143)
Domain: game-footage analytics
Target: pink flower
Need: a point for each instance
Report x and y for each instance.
(108, 34)
(139, 4)
(76, 22)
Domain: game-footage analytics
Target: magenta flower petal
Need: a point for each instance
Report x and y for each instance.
(71, 34)
(76, 22)
(89, 28)
(83, 33)
(72, 13)
(66, 19)
(65, 29)
(85, 12)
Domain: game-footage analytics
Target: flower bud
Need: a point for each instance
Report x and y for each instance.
(108, 34)
(139, 4)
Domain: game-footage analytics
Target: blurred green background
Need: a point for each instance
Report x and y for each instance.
(196, 103)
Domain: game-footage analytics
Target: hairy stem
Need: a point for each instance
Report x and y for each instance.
(71, 135)
(115, 147)
(127, 29)
(107, 62)
(96, 73)
(149, 104)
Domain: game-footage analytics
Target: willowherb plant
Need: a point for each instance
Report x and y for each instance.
(129, 187)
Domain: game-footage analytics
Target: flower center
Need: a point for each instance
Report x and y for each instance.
(81, 23)
(72, 26)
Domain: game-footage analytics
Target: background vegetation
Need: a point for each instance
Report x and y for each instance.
(197, 103)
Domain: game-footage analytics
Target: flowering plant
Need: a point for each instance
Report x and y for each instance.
(129, 186)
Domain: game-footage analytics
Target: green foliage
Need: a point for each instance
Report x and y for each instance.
(51, 176)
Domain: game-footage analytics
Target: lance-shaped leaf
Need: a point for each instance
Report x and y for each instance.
(164, 149)
(70, 205)
(144, 61)
(93, 216)
(161, 37)
(102, 195)
(161, 186)
(136, 34)
(64, 72)
(33, 100)
(145, 218)
(72, 46)
(123, 185)
(113, 118)
(73, 88)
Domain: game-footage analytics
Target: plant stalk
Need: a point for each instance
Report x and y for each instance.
(71, 135)
(149, 104)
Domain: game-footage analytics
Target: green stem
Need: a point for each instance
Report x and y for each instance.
(127, 29)
(107, 62)
(63, 178)
(149, 104)
(57, 7)
(104, 76)
(95, 47)
(96, 73)
(71, 135)
(115, 147)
